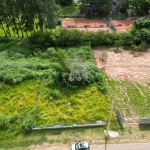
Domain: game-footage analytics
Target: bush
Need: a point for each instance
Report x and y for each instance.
(142, 35)
(69, 38)
(104, 55)
(142, 23)
(127, 39)
(4, 39)
(4, 121)
(55, 94)
(28, 123)
(142, 47)
(40, 40)
(49, 53)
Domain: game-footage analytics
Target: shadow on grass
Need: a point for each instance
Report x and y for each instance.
(144, 127)
(119, 124)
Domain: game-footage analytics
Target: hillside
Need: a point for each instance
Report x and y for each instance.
(29, 95)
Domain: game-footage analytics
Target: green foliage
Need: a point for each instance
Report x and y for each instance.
(55, 94)
(101, 80)
(40, 40)
(28, 123)
(4, 40)
(27, 17)
(48, 54)
(142, 35)
(142, 47)
(104, 56)
(127, 39)
(51, 51)
(142, 23)
(71, 37)
(72, 105)
(16, 69)
(4, 121)
(76, 67)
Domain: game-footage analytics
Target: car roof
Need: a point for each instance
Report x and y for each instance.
(83, 145)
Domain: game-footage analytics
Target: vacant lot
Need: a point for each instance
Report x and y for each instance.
(127, 65)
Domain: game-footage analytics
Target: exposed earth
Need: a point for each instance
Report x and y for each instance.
(125, 65)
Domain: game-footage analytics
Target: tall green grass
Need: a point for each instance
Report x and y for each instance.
(38, 101)
(29, 99)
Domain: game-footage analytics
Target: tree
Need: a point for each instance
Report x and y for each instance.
(99, 7)
(64, 2)
(49, 10)
(140, 7)
(118, 42)
(27, 15)
(142, 23)
(2, 16)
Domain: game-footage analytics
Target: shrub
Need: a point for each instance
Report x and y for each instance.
(40, 40)
(140, 47)
(28, 123)
(55, 94)
(69, 38)
(4, 121)
(4, 39)
(142, 35)
(127, 39)
(104, 55)
(51, 51)
(142, 23)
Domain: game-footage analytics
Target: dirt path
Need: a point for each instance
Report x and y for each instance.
(125, 65)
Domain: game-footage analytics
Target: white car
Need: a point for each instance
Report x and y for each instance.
(80, 146)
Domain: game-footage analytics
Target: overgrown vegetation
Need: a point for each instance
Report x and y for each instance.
(35, 89)
(44, 80)
(42, 87)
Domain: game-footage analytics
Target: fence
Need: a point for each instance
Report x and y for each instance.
(59, 126)
(106, 20)
(140, 119)
(118, 16)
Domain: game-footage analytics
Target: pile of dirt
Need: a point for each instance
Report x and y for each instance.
(126, 65)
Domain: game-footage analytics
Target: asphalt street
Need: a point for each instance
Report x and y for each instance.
(136, 146)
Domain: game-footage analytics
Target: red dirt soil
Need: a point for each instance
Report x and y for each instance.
(121, 25)
(96, 25)
(86, 25)
(125, 65)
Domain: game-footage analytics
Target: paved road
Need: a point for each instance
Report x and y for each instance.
(139, 146)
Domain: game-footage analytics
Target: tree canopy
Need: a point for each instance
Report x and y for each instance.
(98, 7)
(26, 16)
(106, 7)
(64, 2)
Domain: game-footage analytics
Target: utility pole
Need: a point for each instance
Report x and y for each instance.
(110, 115)
(108, 126)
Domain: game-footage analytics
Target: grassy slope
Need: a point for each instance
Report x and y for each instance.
(79, 105)
(85, 104)
(130, 95)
